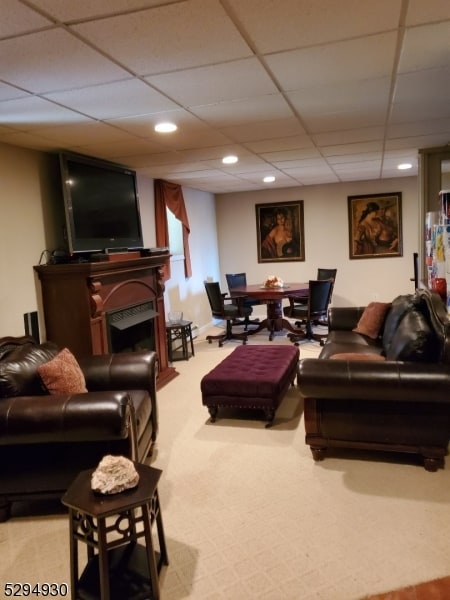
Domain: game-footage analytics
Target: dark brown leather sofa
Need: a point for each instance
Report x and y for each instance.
(45, 440)
(400, 404)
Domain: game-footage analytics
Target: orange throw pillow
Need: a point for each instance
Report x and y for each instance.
(372, 319)
(62, 374)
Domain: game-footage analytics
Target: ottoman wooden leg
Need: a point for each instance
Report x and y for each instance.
(270, 416)
(213, 413)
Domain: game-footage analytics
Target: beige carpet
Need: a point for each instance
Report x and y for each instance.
(249, 515)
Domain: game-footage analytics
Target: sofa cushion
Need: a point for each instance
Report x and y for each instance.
(413, 340)
(399, 307)
(18, 371)
(356, 356)
(62, 374)
(372, 319)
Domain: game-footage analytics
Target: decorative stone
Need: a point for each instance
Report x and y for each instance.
(114, 474)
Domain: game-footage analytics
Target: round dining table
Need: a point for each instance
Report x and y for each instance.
(273, 299)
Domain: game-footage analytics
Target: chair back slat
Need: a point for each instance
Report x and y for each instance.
(236, 280)
(326, 273)
(214, 296)
(319, 297)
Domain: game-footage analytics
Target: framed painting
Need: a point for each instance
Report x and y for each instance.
(375, 225)
(280, 232)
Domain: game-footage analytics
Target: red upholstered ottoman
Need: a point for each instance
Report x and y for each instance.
(251, 377)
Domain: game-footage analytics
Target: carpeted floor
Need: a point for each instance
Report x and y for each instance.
(248, 514)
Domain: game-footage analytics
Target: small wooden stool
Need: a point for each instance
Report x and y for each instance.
(179, 331)
(117, 567)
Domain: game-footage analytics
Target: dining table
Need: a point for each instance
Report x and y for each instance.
(272, 297)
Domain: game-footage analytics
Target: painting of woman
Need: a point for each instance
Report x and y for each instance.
(279, 232)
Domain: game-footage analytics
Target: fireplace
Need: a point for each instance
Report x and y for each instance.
(98, 308)
(132, 328)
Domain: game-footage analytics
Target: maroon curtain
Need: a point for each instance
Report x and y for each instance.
(170, 195)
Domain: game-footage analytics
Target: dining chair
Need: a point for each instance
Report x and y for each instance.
(309, 314)
(235, 280)
(222, 308)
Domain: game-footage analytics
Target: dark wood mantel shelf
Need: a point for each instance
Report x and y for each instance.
(78, 296)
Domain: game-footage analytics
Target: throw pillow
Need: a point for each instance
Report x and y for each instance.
(356, 356)
(372, 319)
(62, 374)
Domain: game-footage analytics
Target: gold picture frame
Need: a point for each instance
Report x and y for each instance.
(375, 225)
(280, 232)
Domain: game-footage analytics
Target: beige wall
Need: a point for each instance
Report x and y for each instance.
(27, 190)
(223, 238)
(326, 239)
(32, 219)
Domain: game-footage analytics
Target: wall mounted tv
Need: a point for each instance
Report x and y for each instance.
(101, 205)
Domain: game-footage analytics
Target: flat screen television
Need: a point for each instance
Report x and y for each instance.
(101, 205)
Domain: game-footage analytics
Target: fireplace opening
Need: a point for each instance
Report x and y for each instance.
(132, 328)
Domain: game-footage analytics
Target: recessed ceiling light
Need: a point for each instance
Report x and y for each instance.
(165, 127)
(269, 179)
(404, 166)
(229, 160)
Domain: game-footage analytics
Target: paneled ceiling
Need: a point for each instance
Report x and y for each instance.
(308, 91)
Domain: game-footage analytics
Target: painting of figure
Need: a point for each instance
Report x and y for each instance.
(375, 227)
(280, 232)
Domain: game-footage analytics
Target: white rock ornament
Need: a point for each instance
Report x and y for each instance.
(114, 474)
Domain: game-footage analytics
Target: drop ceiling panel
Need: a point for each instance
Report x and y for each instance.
(280, 144)
(337, 63)
(68, 10)
(200, 34)
(124, 149)
(36, 113)
(75, 134)
(18, 18)
(356, 148)
(422, 93)
(426, 47)
(311, 23)
(227, 114)
(54, 60)
(112, 100)
(351, 136)
(423, 12)
(265, 130)
(216, 83)
(8, 92)
(346, 96)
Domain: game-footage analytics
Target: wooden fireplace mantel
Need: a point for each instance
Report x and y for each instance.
(77, 297)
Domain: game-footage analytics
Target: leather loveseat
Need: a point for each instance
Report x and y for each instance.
(389, 391)
(46, 439)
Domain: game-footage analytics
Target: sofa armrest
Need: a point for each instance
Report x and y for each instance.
(124, 371)
(94, 416)
(390, 381)
(344, 318)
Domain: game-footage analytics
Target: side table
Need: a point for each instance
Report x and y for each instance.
(117, 568)
(182, 331)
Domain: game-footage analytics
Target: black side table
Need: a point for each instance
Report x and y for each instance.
(179, 331)
(117, 568)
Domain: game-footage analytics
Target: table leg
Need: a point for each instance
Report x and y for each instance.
(274, 321)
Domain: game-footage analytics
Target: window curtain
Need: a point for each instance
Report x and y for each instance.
(170, 195)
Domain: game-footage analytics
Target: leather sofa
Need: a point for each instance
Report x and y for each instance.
(47, 439)
(389, 392)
